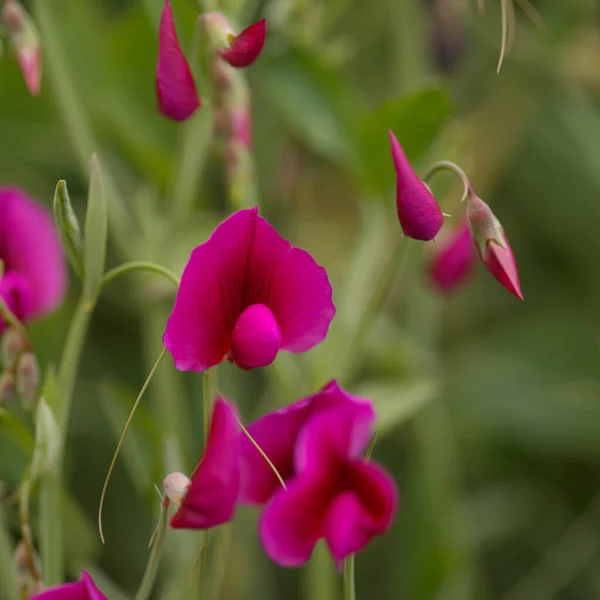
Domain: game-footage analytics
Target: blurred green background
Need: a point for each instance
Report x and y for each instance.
(489, 408)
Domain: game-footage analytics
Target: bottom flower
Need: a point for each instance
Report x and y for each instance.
(84, 589)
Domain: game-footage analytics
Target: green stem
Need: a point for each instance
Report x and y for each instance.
(139, 265)
(11, 319)
(25, 527)
(151, 571)
(446, 165)
(349, 591)
(206, 402)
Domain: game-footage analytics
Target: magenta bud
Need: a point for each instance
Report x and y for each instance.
(7, 387)
(28, 378)
(492, 244)
(246, 47)
(11, 347)
(418, 211)
(26, 43)
(454, 259)
(176, 486)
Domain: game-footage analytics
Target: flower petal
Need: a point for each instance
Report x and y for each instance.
(247, 46)
(500, 262)
(210, 499)
(30, 248)
(85, 589)
(291, 523)
(175, 86)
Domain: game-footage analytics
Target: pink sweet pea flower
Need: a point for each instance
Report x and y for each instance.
(245, 48)
(34, 281)
(84, 589)
(454, 261)
(245, 294)
(336, 495)
(175, 86)
(492, 244)
(418, 211)
(209, 499)
(277, 434)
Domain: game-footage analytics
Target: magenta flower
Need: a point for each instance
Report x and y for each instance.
(277, 434)
(418, 211)
(175, 86)
(454, 261)
(245, 294)
(335, 495)
(84, 589)
(492, 245)
(210, 498)
(34, 281)
(245, 48)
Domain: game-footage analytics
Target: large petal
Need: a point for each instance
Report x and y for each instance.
(210, 499)
(211, 295)
(292, 522)
(175, 86)
(30, 248)
(85, 589)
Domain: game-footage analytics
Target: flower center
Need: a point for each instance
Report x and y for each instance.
(256, 337)
(16, 292)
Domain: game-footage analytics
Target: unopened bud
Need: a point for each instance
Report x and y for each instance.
(28, 378)
(27, 573)
(175, 486)
(7, 387)
(11, 347)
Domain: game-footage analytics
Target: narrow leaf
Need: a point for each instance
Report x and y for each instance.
(47, 442)
(68, 226)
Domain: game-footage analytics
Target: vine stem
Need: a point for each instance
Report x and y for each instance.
(446, 165)
(139, 265)
(349, 590)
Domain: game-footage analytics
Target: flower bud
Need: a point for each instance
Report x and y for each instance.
(25, 40)
(7, 387)
(454, 260)
(418, 211)
(28, 378)
(246, 47)
(11, 347)
(175, 486)
(492, 244)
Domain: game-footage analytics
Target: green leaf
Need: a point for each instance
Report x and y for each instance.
(47, 442)
(416, 120)
(397, 402)
(96, 229)
(68, 226)
(16, 432)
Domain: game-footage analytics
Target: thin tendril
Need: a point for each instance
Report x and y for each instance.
(481, 7)
(504, 4)
(532, 13)
(446, 165)
(120, 444)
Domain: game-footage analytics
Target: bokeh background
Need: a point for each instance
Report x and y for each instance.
(489, 408)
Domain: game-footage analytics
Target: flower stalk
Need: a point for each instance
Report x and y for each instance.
(349, 589)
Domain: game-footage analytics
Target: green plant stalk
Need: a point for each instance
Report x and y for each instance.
(320, 581)
(139, 265)
(349, 591)
(8, 582)
(153, 565)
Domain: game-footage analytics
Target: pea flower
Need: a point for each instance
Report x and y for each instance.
(335, 494)
(34, 280)
(454, 261)
(277, 434)
(84, 589)
(175, 85)
(209, 498)
(245, 294)
(492, 244)
(246, 47)
(418, 211)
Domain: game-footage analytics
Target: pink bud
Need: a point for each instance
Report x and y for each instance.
(25, 40)
(418, 211)
(492, 244)
(176, 486)
(245, 48)
(175, 86)
(454, 260)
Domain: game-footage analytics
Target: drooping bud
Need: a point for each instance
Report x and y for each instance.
(28, 378)
(7, 387)
(26, 43)
(492, 244)
(246, 47)
(418, 211)
(175, 86)
(11, 348)
(176, 486)
(454, 260)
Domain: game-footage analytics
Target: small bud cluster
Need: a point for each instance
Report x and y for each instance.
(21, 372)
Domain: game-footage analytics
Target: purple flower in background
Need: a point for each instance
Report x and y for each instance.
(34, 280)
(454, 260)
(277, 434)
(335, 494)
(418, 211)
(209, 499)
(84, 589)
(245, 294)
(175, 86)
(246, 47)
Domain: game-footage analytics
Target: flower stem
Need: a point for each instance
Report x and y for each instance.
(151, 571)
(349, 591)
(446, 165)
(139, 265)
